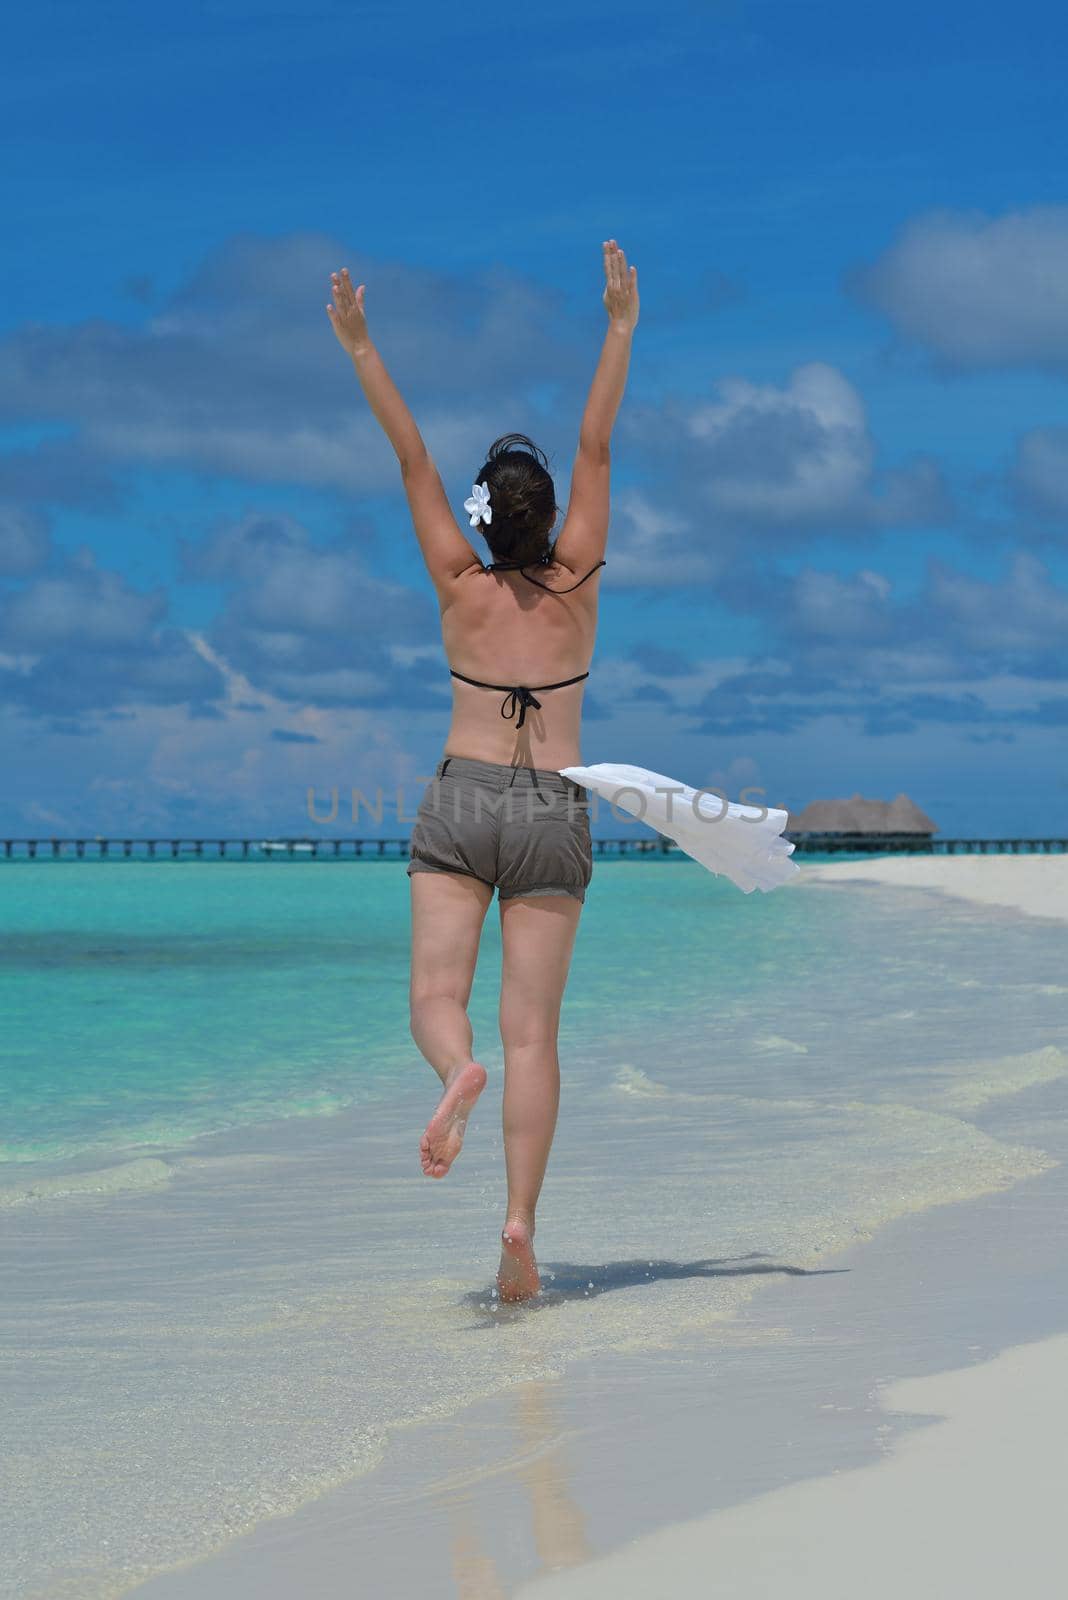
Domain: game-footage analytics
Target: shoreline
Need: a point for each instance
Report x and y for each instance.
(950, 1500)
(629, 1456)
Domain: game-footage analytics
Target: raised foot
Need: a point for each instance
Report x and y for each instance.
(517, 1278)
(440, 1144)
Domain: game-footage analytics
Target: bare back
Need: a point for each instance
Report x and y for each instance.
(501, 628)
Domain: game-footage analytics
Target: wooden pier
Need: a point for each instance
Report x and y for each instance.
(304, 849)
(882, 844)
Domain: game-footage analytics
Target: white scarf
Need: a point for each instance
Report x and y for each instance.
(742, 843)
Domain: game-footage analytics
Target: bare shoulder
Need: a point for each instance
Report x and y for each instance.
(476, 568)
(467, 589)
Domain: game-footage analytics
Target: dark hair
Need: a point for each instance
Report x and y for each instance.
(522, 499)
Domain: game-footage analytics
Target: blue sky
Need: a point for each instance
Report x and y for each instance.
(838, 559)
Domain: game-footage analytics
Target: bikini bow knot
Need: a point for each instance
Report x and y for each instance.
(522, 698)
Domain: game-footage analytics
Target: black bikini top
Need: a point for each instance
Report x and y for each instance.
(520, 696)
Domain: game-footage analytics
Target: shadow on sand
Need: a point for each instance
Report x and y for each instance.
(567, 1280)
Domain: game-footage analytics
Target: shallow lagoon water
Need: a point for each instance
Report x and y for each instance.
(233, 1281)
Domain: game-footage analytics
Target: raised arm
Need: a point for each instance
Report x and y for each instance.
(445, 550)
(585, 531)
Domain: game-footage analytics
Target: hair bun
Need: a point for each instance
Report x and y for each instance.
(523, 499)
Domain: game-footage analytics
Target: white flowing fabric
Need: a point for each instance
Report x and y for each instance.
(733, 841)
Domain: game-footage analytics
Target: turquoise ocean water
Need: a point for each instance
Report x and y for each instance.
(148, 1003)
(222, 1252)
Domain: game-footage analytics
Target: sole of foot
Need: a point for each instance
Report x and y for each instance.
(444, 1136)
(517, 1278)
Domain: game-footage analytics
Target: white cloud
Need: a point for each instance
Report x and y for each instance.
(1023, 612)
(654, 544)
(854, 607)
(81, 638)
(977, 291)
(768, 460)
(241, 373)
(786, 453)
(309, 622)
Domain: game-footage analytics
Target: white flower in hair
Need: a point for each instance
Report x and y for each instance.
(479, 504)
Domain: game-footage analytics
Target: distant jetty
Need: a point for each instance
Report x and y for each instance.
(806, 842)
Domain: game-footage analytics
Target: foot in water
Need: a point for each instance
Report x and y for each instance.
(517, 1278)
(440, 1144)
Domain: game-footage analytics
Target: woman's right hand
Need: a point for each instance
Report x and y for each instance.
(621, 286)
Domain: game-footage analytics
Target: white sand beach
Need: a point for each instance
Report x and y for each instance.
(1035, 884)
(970, 1505)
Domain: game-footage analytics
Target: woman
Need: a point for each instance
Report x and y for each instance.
(498, 813)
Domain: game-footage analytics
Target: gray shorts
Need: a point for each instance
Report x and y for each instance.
(525, 830)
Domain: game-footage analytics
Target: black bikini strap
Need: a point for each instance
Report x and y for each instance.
(563, 684)
(571, 586)
(519, 696)
(516, 566)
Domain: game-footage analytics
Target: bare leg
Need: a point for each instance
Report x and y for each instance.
(538, 935)
(448, 910)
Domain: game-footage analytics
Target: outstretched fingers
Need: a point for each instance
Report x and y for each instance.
(612, 271)
(346, 313)
(344, 297)
(621, 284)
(616, 264)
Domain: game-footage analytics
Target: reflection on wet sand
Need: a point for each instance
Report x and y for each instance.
(557, 1521)
(540, 1461)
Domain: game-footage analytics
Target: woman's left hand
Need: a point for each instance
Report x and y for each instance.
(346, 314)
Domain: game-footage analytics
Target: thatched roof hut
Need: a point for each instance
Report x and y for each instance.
(858, 815)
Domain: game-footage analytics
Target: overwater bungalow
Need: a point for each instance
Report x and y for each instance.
(860, 817)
